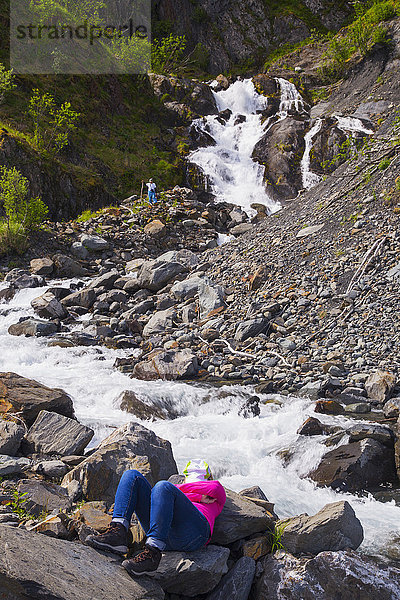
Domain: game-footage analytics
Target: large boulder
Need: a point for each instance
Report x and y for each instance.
(362, 465)
(13, 466)
(66, 267)
(42, 266)
(373, 431)
(29, 397)
(236, 584)
(239, 518)
(334, 527)
(167, 365)
(11, 435)
(132, 446)
(129, 401)
(48, 307)
(328, 576)
(251, 328)
(94, 243)
(106, 280)
(379, 385)
(183, 290)
(85, 298)
(161, 321)
(155, 274)
(51, 569)
(184, 256)
(52, 433)
(33, 328)
(192, 573)
(43, 496)
(328, 150)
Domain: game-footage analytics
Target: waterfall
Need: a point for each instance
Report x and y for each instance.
(352, 124)
(309, 178)
(290, 98)
(242, 452)
(234, 176)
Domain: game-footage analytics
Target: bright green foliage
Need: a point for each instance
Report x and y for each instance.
(78, 10)
(6, 81)
(52, 124)
(17, 205)
(167, 54)
(17, 505)
(276, 537)
(384, 164)
(132, 54)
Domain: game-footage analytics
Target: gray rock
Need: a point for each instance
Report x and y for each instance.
(79, 568)
(251, 328)
(134, 265)
(236, 584)
(48, 307)
(311, 389)
(183, 290)
(334, 527)
(358, 466)
(94, 243)
(74, 490)
(161, 320)
(192, 573)
(129, 401)
(79, 250)
(306, 231)
(167, 365)
(380, 433)
(254, 492)
(241, 229)
(328, 576)
(238, 519)
(52, 433)
(33, 327)
(51, 468)
(28, 281)
(358, 408)
(154, 275)
(29, 397)
(211, 298)
(184, 256)
(394, 272)
(391, 408)
(43, 496)
(85, 298)
(132, 446)
(66, 267)
(106, 280)
(42, 266)
(13, 466)
(11, 435)
(379, 385)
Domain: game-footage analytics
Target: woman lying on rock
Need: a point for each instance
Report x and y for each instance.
(174, 517)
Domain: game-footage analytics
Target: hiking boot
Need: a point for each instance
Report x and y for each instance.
(114, 539)
(144, 562)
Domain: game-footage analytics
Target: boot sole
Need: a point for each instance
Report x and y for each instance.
(131, 571)
(121, 550)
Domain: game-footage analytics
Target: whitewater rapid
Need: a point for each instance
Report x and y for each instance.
(242, 452)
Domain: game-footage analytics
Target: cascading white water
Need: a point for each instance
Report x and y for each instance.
(309, 178)
(290, 98)
(242, 452)
(233, 174)
(352, 124)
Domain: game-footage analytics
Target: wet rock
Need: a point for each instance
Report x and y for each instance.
(66, 267)
(129, 402)
(161, 321)
(28, 281)
(51, 468)
(250, 408)
(33, 328)
(13, 466)
(237, 583)
(391, 408)
(328, 576)
(373, 431)
(254, 492)
(358, 408)
(334, 527)
(250, 328)
(7, 294)
(94, 243)
(211, 298)
(42, 266)
(357, 466)
(192, 573)
(28, 397)
(328, 407)
(379, 385)
(43, 496)
(238, 519)
(132, 446)
(311, 426)
(196, 97)
(11, 435)
(32, 574)
(85, 298)
(167, 365)
(154, 275)
(48, 307)
(52, 433)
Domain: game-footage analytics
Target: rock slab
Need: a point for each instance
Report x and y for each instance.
(52, 433)
(237, 583)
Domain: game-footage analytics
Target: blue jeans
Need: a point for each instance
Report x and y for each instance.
(168, 517)
(152, 197)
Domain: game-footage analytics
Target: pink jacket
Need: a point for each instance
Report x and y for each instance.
(195, 490)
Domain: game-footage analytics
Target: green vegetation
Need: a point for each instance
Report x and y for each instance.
(21, 212)
(6, 81)
(384, 164)
(17, 504)
(276, 536)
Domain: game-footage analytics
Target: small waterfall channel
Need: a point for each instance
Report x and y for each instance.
(242, 452)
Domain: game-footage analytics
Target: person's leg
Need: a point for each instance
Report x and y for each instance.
(133, 495)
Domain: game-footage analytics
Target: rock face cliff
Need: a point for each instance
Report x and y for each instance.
(243, 32)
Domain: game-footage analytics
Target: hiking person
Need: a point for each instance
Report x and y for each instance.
(174, 517)
(151, 191)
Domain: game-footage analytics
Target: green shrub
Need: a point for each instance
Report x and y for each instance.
(13, 238)
(384, 164)
(167, 54)
(6, 81)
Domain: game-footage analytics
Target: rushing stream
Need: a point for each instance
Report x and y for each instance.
(242, 452)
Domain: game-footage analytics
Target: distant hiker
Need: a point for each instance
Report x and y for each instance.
(151, 186)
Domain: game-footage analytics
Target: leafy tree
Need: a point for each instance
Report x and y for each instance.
(167, 54)
(6, 81)
(52, 124)
(18, 206)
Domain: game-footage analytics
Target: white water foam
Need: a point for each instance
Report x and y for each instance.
(290, 98)
(242, 452)
(234, 176)
(309, 178)
(352, 124)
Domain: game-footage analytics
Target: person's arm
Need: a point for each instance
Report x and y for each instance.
(206, 492)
